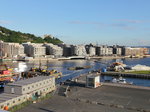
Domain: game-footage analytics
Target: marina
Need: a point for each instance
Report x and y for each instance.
(62, 66)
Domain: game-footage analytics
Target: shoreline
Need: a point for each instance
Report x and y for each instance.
(68, 58)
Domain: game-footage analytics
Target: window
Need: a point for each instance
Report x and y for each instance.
(2, 106)
(33, 86)
(23, 89)
(19, 99)
(13, 101)
(7, 104)
(28, 87)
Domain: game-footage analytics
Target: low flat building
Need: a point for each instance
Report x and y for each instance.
(28, 89)
(93, 80)
(11, 100)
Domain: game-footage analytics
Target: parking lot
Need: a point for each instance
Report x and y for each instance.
(101, 99)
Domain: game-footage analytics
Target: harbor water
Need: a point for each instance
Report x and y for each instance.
(62, 66)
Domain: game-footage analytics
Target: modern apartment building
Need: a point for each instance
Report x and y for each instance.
(78, 50)
(67, 50)
(54, 50)
(11, 50)
(104, 50)
(34, 49)
(117, 50)
(129, 51)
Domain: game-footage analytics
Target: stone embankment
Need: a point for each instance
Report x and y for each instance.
(132, 75)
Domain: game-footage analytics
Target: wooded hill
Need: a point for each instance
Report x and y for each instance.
(8, 35)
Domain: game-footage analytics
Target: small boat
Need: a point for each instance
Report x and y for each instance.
(79, 67)
(121, 80)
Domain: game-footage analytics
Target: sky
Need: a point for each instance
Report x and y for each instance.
(123, 22)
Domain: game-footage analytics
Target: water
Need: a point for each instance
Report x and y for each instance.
(62, 66)
(136, 81)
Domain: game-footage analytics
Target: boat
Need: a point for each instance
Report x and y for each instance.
(79, 67)
(120, 80)
(6, 75)
(5, 71)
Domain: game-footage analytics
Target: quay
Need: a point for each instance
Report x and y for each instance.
(105, 98)
(123, 74)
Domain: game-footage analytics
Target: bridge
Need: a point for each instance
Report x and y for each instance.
(73, 58)
(77, 57)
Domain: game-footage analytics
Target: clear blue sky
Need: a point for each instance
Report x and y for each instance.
(124, 22)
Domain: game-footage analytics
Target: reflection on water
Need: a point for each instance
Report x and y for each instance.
(62, 66)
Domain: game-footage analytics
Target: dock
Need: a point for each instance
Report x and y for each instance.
(132, 75)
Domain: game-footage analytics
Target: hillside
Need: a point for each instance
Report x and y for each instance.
(15, 36)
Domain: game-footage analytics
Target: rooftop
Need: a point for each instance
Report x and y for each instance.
(30, 80)
(5, 97)
(93, 75)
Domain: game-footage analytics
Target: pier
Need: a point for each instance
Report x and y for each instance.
(142, 76)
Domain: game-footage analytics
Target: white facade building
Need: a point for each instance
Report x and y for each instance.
(93, 80)
(79, 50)
(11, 50)
(55, 50)
(104, 51)
(34, 49)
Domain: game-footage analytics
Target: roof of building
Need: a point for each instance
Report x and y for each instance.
(93, 75)
(5, 97)
(30, 80)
